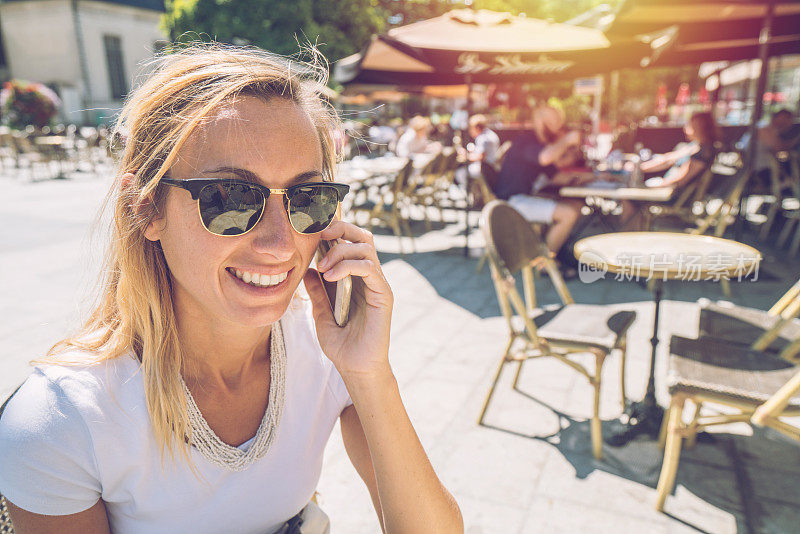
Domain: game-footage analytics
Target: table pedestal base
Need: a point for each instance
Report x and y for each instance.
(643, 417)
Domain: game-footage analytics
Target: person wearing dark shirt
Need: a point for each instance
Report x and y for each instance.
(531, 163)
(781, 133)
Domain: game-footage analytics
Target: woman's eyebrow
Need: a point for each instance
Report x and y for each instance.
(250, 176)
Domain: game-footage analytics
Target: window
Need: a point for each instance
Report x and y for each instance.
(116, 70)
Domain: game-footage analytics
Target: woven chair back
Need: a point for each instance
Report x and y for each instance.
(448, 154)
(403, 178)
(510, 239)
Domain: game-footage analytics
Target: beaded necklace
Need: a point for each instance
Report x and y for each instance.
(216, 451)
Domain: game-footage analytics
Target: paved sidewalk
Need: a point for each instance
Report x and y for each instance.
(530, 469)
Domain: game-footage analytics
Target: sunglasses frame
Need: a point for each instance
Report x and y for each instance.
(195, 185)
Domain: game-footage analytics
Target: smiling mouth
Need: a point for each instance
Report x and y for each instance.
(258, 280)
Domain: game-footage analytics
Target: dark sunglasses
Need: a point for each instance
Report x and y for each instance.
(234, 207)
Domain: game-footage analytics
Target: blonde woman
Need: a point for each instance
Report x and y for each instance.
(200, 394)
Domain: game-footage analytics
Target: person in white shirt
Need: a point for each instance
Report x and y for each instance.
(415, 139)
(200, 393)
(486, 141)
(483, 151)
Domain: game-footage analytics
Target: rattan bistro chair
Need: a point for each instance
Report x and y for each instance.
(388, 209)
(559, 332)
(771, 330)
(754, 385)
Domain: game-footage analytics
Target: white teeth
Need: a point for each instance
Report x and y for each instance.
(260, 280)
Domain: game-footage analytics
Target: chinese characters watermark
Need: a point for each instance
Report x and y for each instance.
(690, 267)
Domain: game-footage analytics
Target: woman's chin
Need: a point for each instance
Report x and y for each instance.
(258, 317)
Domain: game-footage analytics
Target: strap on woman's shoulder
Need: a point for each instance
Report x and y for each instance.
(5, 402)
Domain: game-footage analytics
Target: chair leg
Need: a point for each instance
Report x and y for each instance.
(481, 263)
(691, 439)
(491, 390)
(407, 228)
(395, 224)
(672, 452)
(597, 427)
(623, 349)
(726, 287)
(767, 226)
(662, 432)
(786, 231)
(516, 375)
(795, 246)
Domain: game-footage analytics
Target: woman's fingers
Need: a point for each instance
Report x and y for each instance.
(345, 230)
(347, 251)
(364, 268)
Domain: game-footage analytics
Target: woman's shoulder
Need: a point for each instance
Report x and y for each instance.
(48, 460)
(73, 383)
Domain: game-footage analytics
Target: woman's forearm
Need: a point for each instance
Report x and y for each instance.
(412, 497)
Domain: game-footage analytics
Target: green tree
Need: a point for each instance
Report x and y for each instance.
(338, 27)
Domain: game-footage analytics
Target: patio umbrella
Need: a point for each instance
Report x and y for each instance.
(710, 30)
(467, 46)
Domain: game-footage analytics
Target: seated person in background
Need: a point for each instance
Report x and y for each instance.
(536, 153)
(484, 151)
(689, 160)
(381, 135)
(781, 133)
(415, 139)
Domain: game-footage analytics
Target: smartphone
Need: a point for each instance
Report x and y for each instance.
(339, 292)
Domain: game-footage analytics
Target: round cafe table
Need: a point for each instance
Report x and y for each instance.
(657, 257)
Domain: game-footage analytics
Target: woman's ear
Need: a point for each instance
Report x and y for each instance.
(155, 226)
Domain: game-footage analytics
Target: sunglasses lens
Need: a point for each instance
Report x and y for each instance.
(312, 208)
(230, 209)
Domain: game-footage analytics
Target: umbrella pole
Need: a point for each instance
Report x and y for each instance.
(761, 86)
(468, 178)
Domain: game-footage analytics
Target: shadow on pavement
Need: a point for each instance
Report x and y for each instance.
(745, 476)
(457, 279)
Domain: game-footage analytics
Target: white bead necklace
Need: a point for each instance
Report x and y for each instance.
(220, 453)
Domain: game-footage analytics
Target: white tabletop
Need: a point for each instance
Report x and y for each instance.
(668, 255)
(645, 194)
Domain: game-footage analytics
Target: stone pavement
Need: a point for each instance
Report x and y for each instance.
(530, 468)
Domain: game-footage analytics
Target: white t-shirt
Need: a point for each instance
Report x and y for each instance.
(72, 435)
(409, 144)
(487, 144)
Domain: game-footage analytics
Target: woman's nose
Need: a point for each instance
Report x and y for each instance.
(273, 235)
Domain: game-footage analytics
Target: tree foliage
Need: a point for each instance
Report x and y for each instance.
(338, 27)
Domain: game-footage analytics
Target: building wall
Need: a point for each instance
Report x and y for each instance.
(138, 30)
(40, 43)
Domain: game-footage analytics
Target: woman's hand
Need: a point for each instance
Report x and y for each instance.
(362, 346)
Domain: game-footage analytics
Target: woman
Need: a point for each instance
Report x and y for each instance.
(201, 392)
(688, 160)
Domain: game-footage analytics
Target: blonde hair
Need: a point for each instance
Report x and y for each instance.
(478, 121)
(419, 123)
(134, 310)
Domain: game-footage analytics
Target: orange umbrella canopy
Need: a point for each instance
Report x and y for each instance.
(711, 30)
(486, 47)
